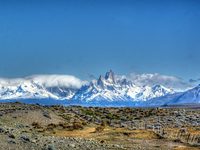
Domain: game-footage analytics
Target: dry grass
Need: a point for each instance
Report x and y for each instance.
(108, 133)
(85, 133)
(185, 148)
(128, 138)
(191, 130)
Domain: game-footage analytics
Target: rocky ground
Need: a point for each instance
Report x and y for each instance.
(35, 127)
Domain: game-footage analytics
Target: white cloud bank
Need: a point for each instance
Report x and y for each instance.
(67, 81)
(58, 80)
(155, 79)
(70, 81)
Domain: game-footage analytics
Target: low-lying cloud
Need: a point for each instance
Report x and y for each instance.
(154, 79)
(68, 81)
(58, 80)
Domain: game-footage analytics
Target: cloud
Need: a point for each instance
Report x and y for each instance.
(154, 79)
(68, 81)
(11, 82)
(58, 80)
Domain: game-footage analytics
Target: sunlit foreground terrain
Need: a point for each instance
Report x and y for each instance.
(24, 126)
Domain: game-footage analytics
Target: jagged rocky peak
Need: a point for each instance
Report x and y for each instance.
(110, 76)
(157, 87)
(100, 81)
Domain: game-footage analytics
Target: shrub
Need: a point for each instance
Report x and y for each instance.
(36, 125)
(77, 125)
(101, 127)
(51, 126)
(64, 125)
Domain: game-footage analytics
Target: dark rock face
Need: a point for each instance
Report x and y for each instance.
(110, 76)
(100, 82)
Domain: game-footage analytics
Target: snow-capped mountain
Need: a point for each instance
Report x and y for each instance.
(108, 89)
(38, 87)
(111, 88)
(191, 96)
(65, 93)
(23, 90)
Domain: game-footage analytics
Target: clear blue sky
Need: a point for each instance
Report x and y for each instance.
(82, 37)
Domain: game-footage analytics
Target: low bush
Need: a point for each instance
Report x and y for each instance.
(36, 125)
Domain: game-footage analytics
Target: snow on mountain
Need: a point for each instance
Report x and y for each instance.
(111, 89)
(141, 90)
(26, 89)
(40, 86)
(190, 96)
(62, 92)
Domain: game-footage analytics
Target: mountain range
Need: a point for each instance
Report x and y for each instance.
(108, 90)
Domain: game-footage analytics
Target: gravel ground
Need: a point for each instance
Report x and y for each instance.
(18, 133)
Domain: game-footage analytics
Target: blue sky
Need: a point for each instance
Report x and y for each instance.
(84, 37)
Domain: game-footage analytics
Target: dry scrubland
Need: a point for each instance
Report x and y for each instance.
(24, 126)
